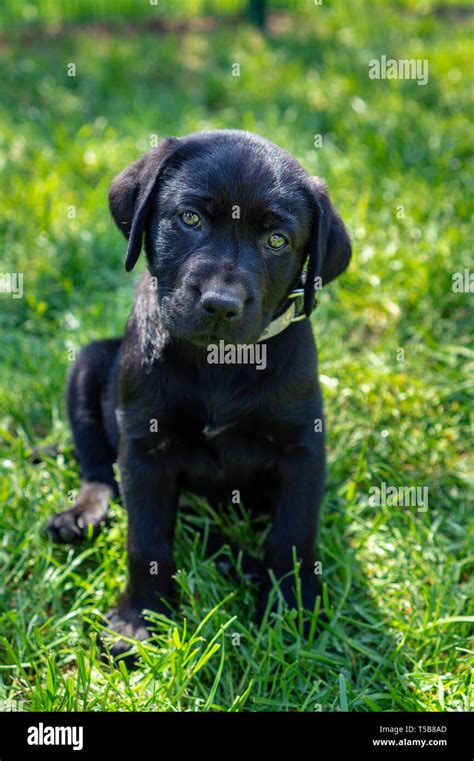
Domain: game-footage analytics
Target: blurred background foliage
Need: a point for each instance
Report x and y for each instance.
(19, 12)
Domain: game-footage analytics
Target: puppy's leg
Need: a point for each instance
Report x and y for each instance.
(150, 491)
(85, 396)
(295, 528)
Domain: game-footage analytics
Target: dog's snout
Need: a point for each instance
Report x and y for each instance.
(224, 306)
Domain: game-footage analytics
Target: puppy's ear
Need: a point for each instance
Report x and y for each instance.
(131, 193)
(330, 246)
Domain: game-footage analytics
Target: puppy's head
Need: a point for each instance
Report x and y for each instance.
(229, 221)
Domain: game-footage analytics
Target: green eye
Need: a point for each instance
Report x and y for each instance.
(276, 242)
(191, 219)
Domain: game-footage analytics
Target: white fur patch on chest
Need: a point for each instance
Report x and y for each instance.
(211, 431)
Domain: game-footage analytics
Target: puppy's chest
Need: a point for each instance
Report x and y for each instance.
(220, 436)
(207, 440)
(227, 450)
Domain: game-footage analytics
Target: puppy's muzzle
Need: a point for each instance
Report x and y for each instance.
(223, 306)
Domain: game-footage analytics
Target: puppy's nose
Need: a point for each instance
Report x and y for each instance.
(224, 306)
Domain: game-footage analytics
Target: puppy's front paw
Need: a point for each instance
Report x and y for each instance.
(128, 622)
(90, 509)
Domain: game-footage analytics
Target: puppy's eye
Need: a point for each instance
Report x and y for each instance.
(191, 219)
(276, 242)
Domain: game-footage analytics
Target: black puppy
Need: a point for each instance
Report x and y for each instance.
(238, 238)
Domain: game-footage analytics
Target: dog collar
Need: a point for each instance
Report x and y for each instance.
(293, 313)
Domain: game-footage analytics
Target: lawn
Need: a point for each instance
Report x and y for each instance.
(393, 338)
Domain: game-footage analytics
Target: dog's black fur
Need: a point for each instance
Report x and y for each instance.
(221, 428)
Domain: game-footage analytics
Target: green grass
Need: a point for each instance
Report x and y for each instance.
(396, 580)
